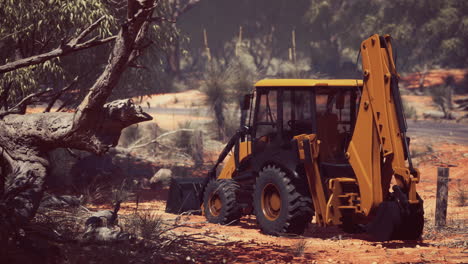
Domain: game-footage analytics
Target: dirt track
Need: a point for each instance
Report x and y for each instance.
(439, 132)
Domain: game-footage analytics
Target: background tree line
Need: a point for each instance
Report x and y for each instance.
(327, 34)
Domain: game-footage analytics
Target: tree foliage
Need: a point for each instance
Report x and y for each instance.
(432, 33)
(425, 32)
(29, 28)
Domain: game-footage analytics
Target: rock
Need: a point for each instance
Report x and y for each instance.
(61, 201)
(102, 218)
(108, 214)
(102, 226)
(144, 183)
(104, 234)
(433, 114)
(161, 178)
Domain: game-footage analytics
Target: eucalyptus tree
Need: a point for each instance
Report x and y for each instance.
(29, 28)
(431, 33)
(95, 126)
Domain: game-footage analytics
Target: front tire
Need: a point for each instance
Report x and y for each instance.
(220, 202)
(281, 204)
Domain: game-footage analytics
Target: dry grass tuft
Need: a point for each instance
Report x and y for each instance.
(299, 248)
(146, 224)
(461, 194)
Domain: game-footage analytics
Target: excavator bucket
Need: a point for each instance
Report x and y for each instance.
(185, 195)
(386, 222)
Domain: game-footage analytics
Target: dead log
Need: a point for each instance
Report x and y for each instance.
(26, 139)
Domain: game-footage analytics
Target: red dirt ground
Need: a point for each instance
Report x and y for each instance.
(244, 243)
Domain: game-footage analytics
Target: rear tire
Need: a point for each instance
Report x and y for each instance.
(281, 204)
(220, 202)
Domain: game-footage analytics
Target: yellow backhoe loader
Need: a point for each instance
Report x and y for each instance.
(333, 149)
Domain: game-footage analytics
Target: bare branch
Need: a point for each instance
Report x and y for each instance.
(160, 19)
(65, 103)
(72, 153)
(65, 48)
(131, 36)
(89, 29)
(4, 97)
(137, 66)
(20, 108)
(189, 5)
(59, 93)
(181, 9)
(139, 46)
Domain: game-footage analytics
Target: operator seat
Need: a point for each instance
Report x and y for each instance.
(332, 160)
(327, 133)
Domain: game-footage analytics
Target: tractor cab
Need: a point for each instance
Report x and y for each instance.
(287, 108)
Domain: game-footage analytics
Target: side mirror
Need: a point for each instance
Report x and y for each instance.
(340, 101)
(246, 102)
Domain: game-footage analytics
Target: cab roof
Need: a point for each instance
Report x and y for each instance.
(309, 83)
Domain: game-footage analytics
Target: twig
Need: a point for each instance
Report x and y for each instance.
(59, 93)
(178, 10)
(65, 103)
(156, 140)
(88, 30)
(160, 19)
(137, 66)
(73, 154)
(20, 108)
(4, 97)
(64, 49)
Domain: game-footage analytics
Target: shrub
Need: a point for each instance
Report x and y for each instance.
(215, 86)
(299, 248)
(442, 97)
(409, 111)
(148, 225)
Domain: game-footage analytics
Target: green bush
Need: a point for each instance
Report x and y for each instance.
(409, 111)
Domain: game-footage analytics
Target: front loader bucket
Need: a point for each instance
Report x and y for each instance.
(185, 195)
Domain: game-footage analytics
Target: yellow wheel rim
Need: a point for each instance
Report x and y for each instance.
(271, 202)
(215, 204)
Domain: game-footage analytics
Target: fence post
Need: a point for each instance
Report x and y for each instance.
(442, 196)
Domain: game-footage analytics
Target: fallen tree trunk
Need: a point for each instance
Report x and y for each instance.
(26, 139)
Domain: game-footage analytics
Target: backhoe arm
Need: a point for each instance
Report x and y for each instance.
(379, 147)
